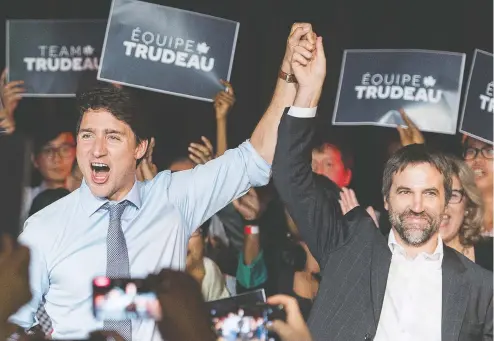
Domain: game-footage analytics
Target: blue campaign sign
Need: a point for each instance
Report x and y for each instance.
(167, 50)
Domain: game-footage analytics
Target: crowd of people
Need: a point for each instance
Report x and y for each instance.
(274, 213)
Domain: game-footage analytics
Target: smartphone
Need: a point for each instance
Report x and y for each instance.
(246, 322)
(124, 299)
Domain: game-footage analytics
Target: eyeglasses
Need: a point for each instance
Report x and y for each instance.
(64, 151)
(456, 196)
(471, 153)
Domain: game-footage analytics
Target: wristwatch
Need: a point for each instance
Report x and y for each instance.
(287, 77)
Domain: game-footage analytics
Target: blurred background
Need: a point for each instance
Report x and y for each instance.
(459, 26)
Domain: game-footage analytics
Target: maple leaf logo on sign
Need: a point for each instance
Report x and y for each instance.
(88, 50)
(169, 50)
(63, 58)
(202, 48)
(429, 81)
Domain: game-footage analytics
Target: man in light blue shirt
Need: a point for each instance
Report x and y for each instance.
(68, 239)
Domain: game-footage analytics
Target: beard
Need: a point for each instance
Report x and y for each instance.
(414, 233)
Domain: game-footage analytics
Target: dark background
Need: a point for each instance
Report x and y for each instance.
(449, 25)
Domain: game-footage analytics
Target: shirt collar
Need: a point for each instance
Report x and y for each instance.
(92, 203)
(396, 248)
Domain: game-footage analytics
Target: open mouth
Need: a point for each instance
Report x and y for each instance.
(478, 172)
(445, 220)
(100, 172)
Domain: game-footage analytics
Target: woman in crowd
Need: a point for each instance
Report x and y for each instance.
(478, 155)
(463, 219)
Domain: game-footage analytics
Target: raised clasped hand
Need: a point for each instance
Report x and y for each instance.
(301, 38)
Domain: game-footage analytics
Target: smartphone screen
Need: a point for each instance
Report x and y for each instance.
(124, 299)
(232, 322)
(240, 324)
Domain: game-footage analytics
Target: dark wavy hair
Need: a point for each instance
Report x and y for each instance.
(123, 104)
(415, 154)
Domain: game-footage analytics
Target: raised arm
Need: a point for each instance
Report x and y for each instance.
(10, 95)
(311, 203)
(223, 103)
(201, 192)
(208, 188)
(301, 40)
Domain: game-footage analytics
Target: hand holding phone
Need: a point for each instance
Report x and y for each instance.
(293, 328)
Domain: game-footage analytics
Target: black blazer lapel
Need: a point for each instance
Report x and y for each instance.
(380, 263)
(455, 295)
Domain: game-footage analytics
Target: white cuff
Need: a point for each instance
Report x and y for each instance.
(302, 112)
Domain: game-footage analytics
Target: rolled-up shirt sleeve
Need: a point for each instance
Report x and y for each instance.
(201, 192)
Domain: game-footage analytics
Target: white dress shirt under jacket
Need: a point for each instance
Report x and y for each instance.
(412, 306)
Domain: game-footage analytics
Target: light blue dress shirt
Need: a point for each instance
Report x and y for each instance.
(68, 238)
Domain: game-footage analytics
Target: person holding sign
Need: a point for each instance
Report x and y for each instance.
(408, 287)
(10, 95)
(223, 103)
(116, 226)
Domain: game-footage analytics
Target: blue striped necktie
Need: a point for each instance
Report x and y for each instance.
(117, 261)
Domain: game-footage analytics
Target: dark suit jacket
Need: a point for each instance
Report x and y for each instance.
(483, 253)
(354, 256)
